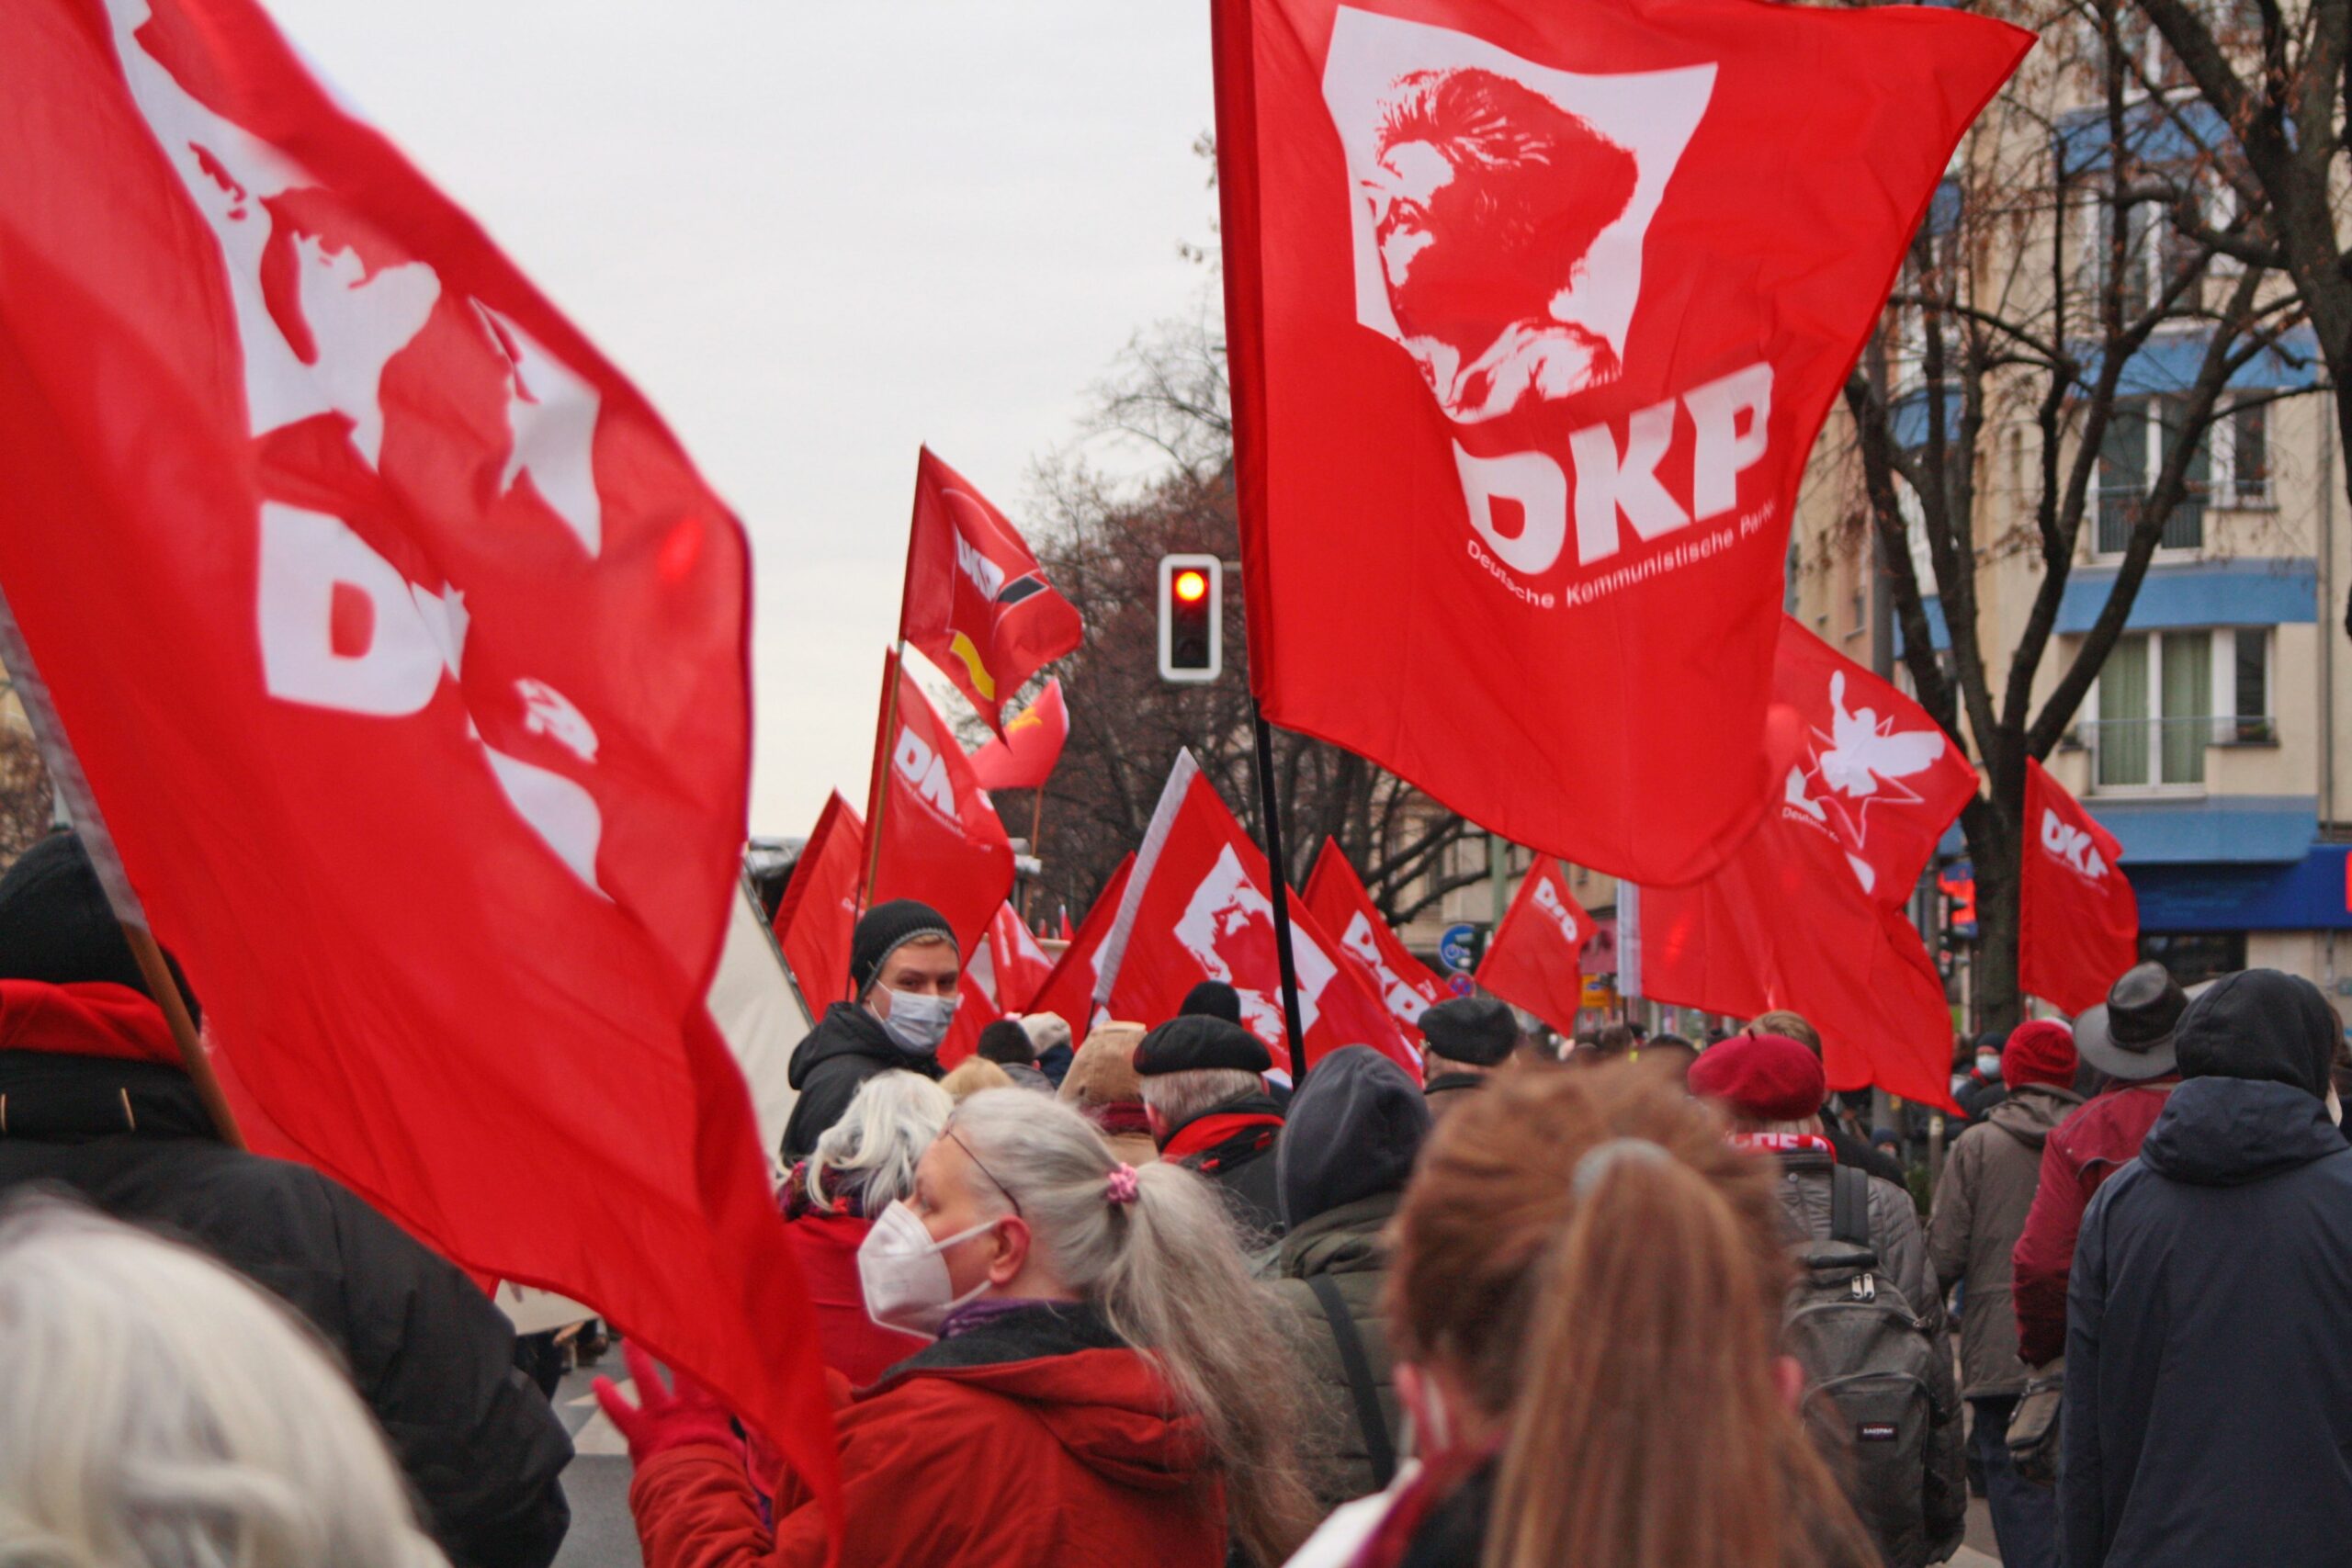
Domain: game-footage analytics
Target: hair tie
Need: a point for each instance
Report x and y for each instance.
(1601, 1157)
(1122, 1186)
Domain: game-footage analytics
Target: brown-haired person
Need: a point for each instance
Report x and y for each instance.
(1585, 1298)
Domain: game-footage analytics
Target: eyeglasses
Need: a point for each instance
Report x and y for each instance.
(984, 1170)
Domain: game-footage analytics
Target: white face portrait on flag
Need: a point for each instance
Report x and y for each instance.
(1228, 925)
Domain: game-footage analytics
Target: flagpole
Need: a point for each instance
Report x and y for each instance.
(1274, 836)
(1036, 829)
(877, 790)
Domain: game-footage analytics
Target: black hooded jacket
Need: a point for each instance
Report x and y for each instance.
(848, 1047)
(2208, 1365)
(432, 1357)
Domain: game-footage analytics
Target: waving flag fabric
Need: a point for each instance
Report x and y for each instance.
(1536, 960)
(818, 914)
(976, 603)
(941, 841)
(405, 652)
(2078, 920)
(1336, 896)
(1069, 991)
(1032, 743)
(1533, 311)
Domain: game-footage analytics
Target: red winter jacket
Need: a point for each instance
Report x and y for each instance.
(1037, 1441)
(2082, 1152)
(851, 1343)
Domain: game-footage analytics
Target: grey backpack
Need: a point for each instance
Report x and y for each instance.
(1871, 1401)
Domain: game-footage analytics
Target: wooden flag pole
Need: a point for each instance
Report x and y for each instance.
(193, 1056)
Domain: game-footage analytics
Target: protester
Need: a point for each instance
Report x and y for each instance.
(1210, 1112)
(1466, 1039)
(1670, 1056)
(1006, 1044)
(864, 1162)
(1614, 1042)
(1983, 1088)
(1108, 1388)
(2209, 1375)
(974, 1075)
(1849, 1149)
(1049, 1034)
(1772, 1088)
(96, 1102)
(1584, 1300)
(1102, 1084)
(1981, 1205)
(2129, 1038)
(1212, 998)
(1356, 1126)
(156, 1410)
(904, 967)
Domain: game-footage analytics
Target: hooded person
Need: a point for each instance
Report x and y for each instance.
(2209, 1376)
(1050, 1037)
(1981, 1206)
(904, 967)
(1101, 1085)
(1205, 1094)
(1008, 1045)
(97, 1103)
(1355, 1129)
(1464, 1040)
(2129, 1038)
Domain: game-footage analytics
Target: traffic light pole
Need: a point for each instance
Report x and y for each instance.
(1267, 806)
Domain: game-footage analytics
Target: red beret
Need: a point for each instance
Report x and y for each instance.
(1764, 1077)
(2040, 1052)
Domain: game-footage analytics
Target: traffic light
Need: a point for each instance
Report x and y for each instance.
(1191, 618)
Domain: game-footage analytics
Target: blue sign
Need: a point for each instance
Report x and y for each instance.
(1454, 947)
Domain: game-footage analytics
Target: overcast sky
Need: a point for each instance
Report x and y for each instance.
(818, 235)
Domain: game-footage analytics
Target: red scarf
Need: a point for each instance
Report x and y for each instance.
(86, 1019)
(1210, 1130)
(1786, 1143)
(1121, 1116)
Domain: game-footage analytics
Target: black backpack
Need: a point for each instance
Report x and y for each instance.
(1870, 1390)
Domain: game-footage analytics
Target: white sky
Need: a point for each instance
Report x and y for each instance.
(818, 235)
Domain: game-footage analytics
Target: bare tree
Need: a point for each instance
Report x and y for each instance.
(2025, 317)
(24, 794)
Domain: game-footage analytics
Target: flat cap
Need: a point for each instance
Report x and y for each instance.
(1199, 1044)
(1479, 1030)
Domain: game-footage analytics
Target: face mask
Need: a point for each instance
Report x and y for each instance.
(1988, 1067)
(904, 1273)
(918, 1024)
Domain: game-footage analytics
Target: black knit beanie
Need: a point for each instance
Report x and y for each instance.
(1212, 998)
(885, 928)
(56, 925)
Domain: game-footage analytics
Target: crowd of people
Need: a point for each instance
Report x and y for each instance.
(1135, 1298)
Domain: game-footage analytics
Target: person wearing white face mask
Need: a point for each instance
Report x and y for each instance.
(904, 970)
(1108, 1388)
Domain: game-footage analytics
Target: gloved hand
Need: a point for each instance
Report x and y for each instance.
(663, 1419)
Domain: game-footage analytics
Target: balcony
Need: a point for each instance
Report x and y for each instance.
(2120, 511)
(2164, 754)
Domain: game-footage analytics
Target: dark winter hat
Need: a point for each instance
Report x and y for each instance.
(885, 928)
(1007, 1043)
(2130, 1034)
(1479, 1030)
(1764, 1077)
(1355, 1128)
(1212, 998)
(1199, 1044)
(2260, 1024)
(2040, 1051)
(55, 923)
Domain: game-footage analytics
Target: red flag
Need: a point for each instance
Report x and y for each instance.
(1017, 967)
(940, 839)
(1032, 744)
(974, 1010)
(1069, 991)
(351, 564)
(1535, 312)
(1069, 933)
(817, 915)
(1196, 909)
(1336, 896)
(2078, 920)
(1536, 957)
(1809, 915)
(976, 603)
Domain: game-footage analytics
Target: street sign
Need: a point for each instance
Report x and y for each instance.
(1461, 985)
(1454, 950)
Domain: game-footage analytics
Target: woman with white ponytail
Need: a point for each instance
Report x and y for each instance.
(1108, 1388)
(156, 1410)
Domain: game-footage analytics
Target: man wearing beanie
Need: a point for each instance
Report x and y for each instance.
(96, 1102)
(1981, 1205)
(1772, 1088)
(1463, 1041)
(2208, 1373)
(1204, 1095)
(1355, 1129)
(903, 971)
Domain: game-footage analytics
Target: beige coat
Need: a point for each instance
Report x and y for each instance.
(1102, 1082)
(1981, 1206)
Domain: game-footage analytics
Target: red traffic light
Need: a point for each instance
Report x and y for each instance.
(1192, 587)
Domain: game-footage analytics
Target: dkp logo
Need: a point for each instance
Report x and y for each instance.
(1547, 898)
(926, 772)
(2073, 846)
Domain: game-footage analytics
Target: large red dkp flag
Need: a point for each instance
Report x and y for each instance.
(1196, 908)
(2078, 920)
(1337, 898)
(817, 915)
(1535, 312)
(1537, 959)
(405, 652)
(939, 837)
(976, 603)
(1809, 914)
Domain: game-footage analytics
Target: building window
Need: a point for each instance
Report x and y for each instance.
(2250, 687)
(2141, 434)
(2241, 466)
(2194, 957)
(1789, 588)
(2155, 712)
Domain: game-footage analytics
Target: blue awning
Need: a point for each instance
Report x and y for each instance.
(2167, 365)
(2228, 829)
(2278, 591)
(2154, 133)
(2311, 893)
(1938, 634)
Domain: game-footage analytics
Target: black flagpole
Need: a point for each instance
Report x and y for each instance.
(1271, 816)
